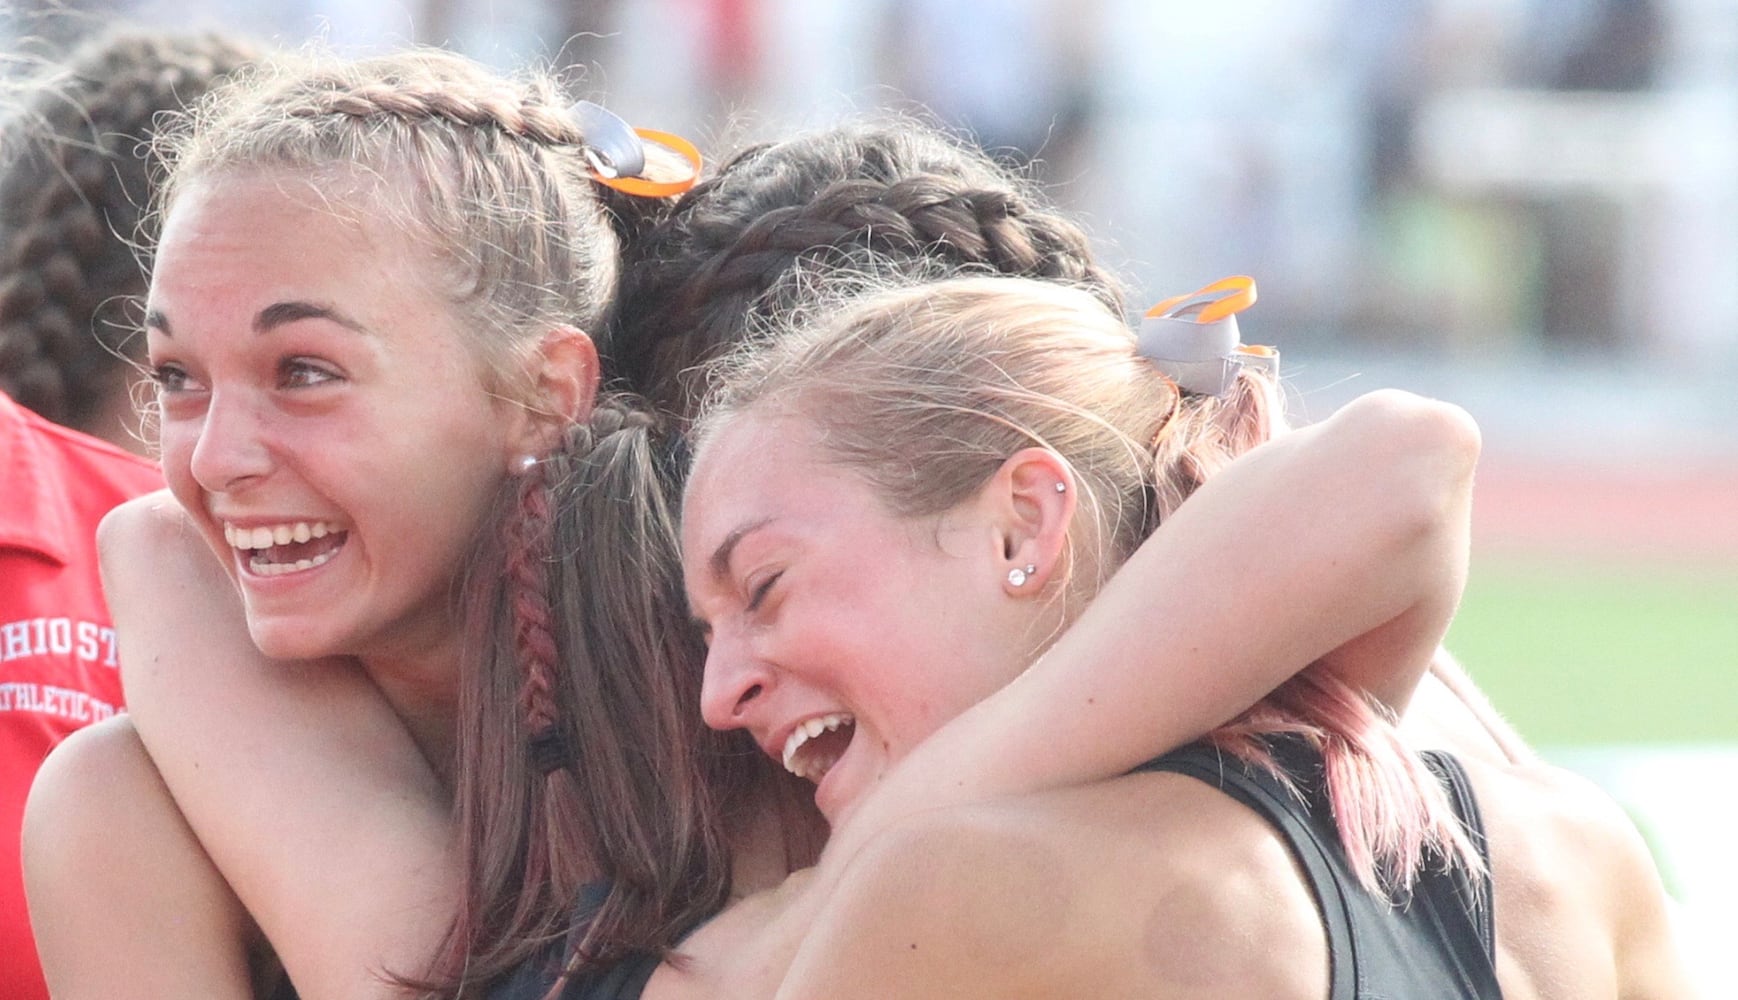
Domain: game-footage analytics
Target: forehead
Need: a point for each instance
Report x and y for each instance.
(272, 235)
(748, 461)
(759, 467)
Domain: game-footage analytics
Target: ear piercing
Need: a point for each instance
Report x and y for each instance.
(1061, 487)
(526, 462)
(1017, 576)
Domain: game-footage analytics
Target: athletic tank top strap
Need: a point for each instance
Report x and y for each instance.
(1262, 792)
(1472, 890)
(1434, 942)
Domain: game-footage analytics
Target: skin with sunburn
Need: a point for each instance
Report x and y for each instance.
(379, 764)
(333, 353)
(282, 372)
(792, 639)
(1150, 885)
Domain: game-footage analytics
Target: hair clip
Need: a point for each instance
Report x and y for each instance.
(1193, 338)
(618, 156)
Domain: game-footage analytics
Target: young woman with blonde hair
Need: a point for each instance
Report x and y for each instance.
(1300, 851)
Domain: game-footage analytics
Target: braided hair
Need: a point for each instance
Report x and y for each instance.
(580, 747)
(700, 280)
(579, 755)
(487, 170)
(923, 390)
(73, 198)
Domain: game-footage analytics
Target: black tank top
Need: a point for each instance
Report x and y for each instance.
(625, 980)
(1437, 943)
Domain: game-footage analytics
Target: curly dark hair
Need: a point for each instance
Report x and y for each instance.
(696, 282)
(75, 194)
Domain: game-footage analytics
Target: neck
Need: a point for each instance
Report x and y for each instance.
(422, 689)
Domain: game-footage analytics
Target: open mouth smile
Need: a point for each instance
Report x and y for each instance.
(815, 745)
(291, 547)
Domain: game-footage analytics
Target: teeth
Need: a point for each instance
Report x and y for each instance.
(277, 534)
(803, 733)
(264, 568)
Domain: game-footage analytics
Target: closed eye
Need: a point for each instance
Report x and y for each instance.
(758, 595)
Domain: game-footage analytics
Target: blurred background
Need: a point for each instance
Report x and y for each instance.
(1529, 207)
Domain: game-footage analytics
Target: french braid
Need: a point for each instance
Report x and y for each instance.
(534, 639)
(708, 273)
(488, 169)
(595, 667)
(516, 114)
(576, 758)
(513, 113)
(72, 211)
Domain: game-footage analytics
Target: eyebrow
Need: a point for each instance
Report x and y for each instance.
(720, 561)
(273, 316)
(279, 313)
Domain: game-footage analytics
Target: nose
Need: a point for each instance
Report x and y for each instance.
(231, 448)
(735, 681)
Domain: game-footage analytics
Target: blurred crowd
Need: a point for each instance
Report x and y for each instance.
(1458, 178)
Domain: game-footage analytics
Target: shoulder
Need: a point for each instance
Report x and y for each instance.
(95, 782)
(106, 850)
(1556, 823)
(1566, 856)
(1150, 884)
(144, 525)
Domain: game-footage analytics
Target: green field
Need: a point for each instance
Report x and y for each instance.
(1589, 652)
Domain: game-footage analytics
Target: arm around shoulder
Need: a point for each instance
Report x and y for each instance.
(107, 853)
(298, 779)
(1345, 541)
(1408, 464)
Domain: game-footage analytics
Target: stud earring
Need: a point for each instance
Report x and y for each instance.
(1061, 487)
(526, 462)
(1017, 576)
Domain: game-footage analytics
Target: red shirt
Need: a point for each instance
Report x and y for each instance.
(57, 650)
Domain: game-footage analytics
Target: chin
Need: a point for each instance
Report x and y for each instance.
(284, 641)
(838, 805)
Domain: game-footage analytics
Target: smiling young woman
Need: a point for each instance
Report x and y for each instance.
(1074, 553)
(577, 753)
(367, 324)
(304, 392)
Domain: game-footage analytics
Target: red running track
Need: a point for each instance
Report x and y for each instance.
(1683, 512)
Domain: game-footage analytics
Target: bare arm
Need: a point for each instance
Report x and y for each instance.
(297, 778)
(1345, 542)
(123, 900)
